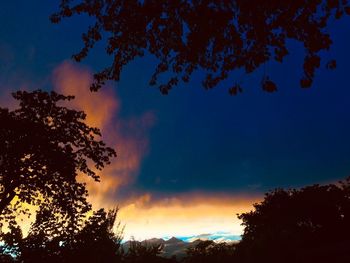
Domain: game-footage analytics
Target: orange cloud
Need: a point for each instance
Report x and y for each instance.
(187, 214)
(143, 215)
(128, 137)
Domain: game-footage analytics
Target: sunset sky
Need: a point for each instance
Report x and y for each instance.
(190, 161)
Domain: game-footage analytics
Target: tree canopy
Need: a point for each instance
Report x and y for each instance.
(43, 147)
(311, 224)
(207, 251)
(93, 241)
(217, 37)
(307, 225)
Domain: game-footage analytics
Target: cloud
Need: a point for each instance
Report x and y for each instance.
(127, 136)
(145, 215)
(186, 214)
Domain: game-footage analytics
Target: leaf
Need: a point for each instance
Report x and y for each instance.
(268, 85)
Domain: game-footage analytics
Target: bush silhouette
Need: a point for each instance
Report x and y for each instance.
(307, 225)
(311, 224)
(92, 240)
(210, 252)
(139, 253)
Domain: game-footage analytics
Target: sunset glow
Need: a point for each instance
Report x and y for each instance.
(193, 154)
(142, 217)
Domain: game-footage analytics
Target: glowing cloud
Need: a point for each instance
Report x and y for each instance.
(185, 215)
(143, 215)
(128, 137)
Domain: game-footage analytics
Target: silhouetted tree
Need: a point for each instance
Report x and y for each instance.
(307, 225)
(10, 242)
(92, 241)
(43, 147)
(6, 258)
(96, 242)
(43, 242)
(139, 253)
(208, 251)
(215, 36)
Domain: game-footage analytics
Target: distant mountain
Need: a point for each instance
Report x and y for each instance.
(177, 246)
(173, 241)
(172, 247)
(217, 237)
(153, 241)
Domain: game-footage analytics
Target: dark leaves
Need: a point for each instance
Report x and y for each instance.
(52, 238)
(217, 37)
(298, 225)
(305, 82)
(44, 146)
(268, 85)
(235, 90)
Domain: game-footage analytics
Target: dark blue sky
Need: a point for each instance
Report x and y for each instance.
(204, 140)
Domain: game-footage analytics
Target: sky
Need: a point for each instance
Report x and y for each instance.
(190, 161)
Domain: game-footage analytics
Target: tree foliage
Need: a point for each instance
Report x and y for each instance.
(138, 252)
(43, 147)
(215, 36)
(96, 239)
(311, 224)
(208, 251)
(93, 241)
(307, 225)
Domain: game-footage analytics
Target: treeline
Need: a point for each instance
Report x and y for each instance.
(45, 145)
(311, 224)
